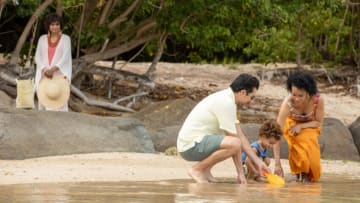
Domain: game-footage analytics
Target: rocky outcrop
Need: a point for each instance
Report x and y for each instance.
(165, 138)
(26, 134)
(336, 141)
(163, 120)
(355, 131)
(6, 101)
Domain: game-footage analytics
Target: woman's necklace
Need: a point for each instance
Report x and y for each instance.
(304, 107)
(54, 44)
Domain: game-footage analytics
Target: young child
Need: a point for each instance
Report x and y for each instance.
(269, 134)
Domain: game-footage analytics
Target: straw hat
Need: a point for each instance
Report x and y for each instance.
(53, 93)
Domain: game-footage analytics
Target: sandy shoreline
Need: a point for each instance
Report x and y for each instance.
(110, 167)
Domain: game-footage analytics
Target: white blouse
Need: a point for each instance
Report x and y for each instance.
(62, 58)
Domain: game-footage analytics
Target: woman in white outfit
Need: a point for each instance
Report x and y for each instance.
(53, 55)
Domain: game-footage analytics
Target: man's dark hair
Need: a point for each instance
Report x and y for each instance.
(302, 80)
(52, 18)
(245, 82)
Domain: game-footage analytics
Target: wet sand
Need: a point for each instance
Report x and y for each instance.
(114, 167)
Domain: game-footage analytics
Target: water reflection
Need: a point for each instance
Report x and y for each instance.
(256, 192)
(330, 189)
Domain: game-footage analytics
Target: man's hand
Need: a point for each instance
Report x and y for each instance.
(279, 170)
(262, 168)
(241, 179)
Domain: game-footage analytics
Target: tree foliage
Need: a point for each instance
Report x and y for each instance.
(210, 30)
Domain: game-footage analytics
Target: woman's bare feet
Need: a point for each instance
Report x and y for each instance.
(305, 178)
(302, 178)
(294, 178)
(198, 176)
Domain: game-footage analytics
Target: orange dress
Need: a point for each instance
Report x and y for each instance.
(304, 149)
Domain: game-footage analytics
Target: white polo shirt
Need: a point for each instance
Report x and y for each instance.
(211, 116)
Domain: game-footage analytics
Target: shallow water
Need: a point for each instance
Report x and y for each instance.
(329, 189)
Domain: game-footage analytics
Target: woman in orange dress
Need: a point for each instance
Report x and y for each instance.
(301, 116)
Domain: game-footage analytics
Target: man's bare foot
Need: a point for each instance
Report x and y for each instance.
(210, 177)
(198, 176)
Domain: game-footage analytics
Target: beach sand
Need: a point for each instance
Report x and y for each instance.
(115, 167)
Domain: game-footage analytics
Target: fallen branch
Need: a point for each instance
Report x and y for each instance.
(8, 89)
(92, 102)
(327, 75)
(130, 97)
(119, 74)
(7, 76)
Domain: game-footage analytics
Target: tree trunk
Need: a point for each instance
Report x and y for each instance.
(358, 47)
(59, 8)
(106, 11)
(89, 7)
(298, 53)
(20, 43)
(351, 38)
(2, 6)
(340, 28)
(91, 58)
(115, 23)
(80, 29)
(144, 26)
(150, 72)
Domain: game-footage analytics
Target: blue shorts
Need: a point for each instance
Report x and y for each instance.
(203, 149)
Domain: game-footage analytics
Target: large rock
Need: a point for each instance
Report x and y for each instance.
(355, 131)
(6, 101)
(27, 134)
(165, 138)
(164, 120)
(165, 113)
(335, 142)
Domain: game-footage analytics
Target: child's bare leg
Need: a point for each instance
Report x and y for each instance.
(267, 161)
(251, 169)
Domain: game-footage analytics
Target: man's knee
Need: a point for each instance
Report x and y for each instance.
(233, 144)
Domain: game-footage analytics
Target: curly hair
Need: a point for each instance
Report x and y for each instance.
(52, 18)
(245, 82)
(270, 129)
(302, 80)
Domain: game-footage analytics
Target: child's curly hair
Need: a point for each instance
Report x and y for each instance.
(271, 129)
